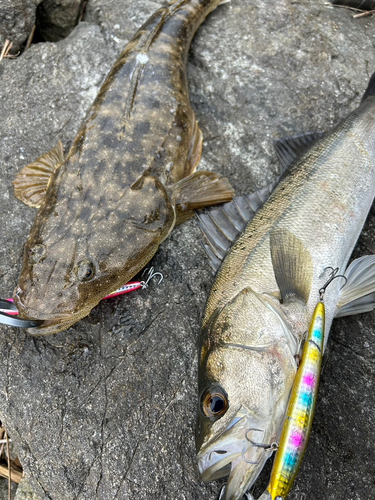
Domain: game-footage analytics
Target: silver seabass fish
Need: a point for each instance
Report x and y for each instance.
(266, 289)
(127, 180)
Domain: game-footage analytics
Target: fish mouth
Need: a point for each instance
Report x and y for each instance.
(49, 327)
(49, 322)
(239, 452)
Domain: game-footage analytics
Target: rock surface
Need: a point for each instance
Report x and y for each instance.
(17, 18)
(25, 491)
(56, 19)
(106, 410)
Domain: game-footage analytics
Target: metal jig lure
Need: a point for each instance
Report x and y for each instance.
(8, 310)
(299, 416)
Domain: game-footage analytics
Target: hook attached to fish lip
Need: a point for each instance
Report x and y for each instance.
(271, 447)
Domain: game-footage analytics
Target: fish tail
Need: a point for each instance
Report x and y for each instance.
(189, 14)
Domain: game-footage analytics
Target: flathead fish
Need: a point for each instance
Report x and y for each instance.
(265, 292)
(127, 180)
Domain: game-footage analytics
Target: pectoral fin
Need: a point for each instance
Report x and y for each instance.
(197, 191)
(358, 294)
(31, 184)
(292, 265)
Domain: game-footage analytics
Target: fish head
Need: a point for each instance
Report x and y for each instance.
(77, 253)
(246, 374)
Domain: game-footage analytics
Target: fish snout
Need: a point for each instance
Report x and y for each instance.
(22, 302)
(42, 306)
(245, 470)
(50, 321)
(240, 452)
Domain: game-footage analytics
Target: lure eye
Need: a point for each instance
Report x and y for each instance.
(36, 254)
(214, 402)
(85, 270)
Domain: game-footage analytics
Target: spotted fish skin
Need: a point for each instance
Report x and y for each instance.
(126, 181)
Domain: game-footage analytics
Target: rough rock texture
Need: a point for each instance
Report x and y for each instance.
(57, 18)
(17, 18)
(106, 410)
(4, 491)
(25, 492)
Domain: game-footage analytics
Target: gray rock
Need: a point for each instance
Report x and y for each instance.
(25, 492)
(17, 18)
(56, 19)
(4, 489)
(107, 409)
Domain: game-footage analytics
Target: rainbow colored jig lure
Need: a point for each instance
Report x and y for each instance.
(299, 416)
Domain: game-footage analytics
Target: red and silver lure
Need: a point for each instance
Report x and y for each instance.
(8, 310)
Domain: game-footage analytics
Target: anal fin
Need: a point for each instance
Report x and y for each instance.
(30, 185)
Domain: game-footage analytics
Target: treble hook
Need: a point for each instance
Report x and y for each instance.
(151, 275)
(333, 276)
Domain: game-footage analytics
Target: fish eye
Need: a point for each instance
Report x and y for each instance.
(214, 402)
(85, 270)
(36, 253)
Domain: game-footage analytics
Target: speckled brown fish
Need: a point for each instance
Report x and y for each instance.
(127, 180)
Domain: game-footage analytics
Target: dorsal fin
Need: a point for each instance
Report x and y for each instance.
(289, 149)
(292, 265)
(222, 224)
